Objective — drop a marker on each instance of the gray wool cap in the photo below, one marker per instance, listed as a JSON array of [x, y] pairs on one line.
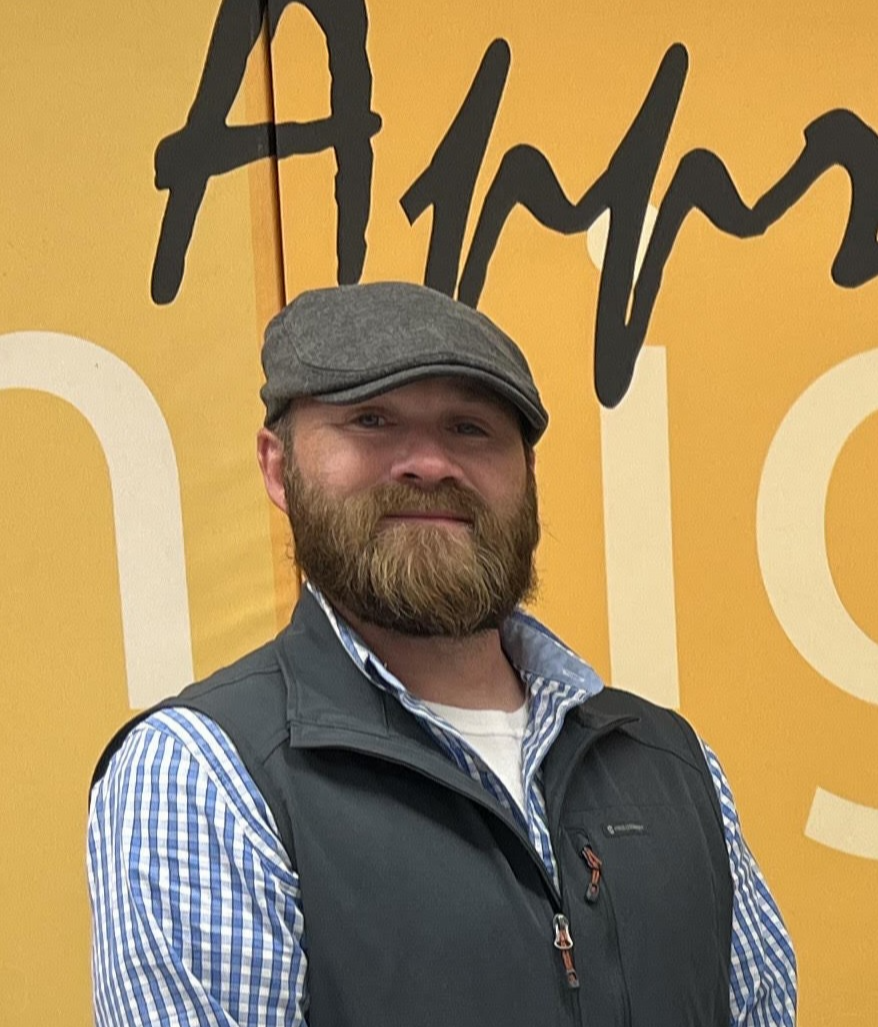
[[352, 342]]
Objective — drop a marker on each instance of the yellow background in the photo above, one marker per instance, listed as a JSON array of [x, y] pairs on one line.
[[87, 91]]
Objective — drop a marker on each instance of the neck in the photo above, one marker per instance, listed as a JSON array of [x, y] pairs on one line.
[[471, 672]]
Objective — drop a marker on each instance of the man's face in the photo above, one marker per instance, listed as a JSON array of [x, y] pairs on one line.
[[415, 510]]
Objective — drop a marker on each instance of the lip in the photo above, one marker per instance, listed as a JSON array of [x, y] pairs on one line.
[[431, 517]]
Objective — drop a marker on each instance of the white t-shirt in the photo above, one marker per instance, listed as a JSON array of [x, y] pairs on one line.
[[496, 736]]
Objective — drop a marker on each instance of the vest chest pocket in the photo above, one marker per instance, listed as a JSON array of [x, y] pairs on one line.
[[642, 886]]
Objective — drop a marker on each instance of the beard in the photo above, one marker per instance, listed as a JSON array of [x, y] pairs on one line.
[[417, 579]]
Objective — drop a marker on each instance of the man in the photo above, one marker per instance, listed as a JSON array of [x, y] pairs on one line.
[[416, 806]]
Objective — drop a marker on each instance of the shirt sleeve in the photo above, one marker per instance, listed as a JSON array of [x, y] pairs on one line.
[[763, 963], [196, 911]]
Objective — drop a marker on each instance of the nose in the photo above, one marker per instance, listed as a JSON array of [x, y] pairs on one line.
[[423, 459]]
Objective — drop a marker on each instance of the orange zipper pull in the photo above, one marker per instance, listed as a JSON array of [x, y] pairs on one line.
[[564, 943], [594, 865]]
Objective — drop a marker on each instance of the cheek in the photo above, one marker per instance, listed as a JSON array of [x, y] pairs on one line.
[[503, 483], [339, 470]]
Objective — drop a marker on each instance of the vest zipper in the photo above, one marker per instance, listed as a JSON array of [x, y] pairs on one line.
[[594, 865], [564, 944]]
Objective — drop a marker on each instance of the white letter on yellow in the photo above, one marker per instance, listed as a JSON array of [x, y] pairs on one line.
[[146, 496], [636, 467], [791, 541]]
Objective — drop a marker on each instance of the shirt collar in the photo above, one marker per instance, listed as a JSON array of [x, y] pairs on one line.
[[537, 654]]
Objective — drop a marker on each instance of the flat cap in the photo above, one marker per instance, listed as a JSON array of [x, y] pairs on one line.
[[352, 342]]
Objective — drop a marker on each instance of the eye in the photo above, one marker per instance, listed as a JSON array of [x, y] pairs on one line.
[[370, 420], [469, 428]]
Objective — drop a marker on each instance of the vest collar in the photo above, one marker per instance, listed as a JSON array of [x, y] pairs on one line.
[[331, 703]]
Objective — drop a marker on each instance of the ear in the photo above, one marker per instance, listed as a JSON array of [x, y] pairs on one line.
[[270, 454]]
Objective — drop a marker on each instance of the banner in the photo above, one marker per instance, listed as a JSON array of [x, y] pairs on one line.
[[672, 210]]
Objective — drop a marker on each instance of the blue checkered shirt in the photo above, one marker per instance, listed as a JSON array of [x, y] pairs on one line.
[[196, 911]]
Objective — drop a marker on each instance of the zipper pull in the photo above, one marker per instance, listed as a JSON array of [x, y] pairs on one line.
[[564, 943], [594, 865]]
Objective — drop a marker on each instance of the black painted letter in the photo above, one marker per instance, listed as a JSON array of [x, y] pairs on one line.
[[207, 146]]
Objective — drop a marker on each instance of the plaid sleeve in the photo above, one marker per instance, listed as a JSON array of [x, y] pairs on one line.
[[196, 912], [763, 963]]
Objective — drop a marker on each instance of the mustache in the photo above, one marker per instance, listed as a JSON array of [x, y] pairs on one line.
[[398, 497]]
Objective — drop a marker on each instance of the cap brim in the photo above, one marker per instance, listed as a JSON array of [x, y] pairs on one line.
[[536, 419]]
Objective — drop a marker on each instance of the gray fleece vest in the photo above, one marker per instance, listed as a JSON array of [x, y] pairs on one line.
[[425, 903]]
